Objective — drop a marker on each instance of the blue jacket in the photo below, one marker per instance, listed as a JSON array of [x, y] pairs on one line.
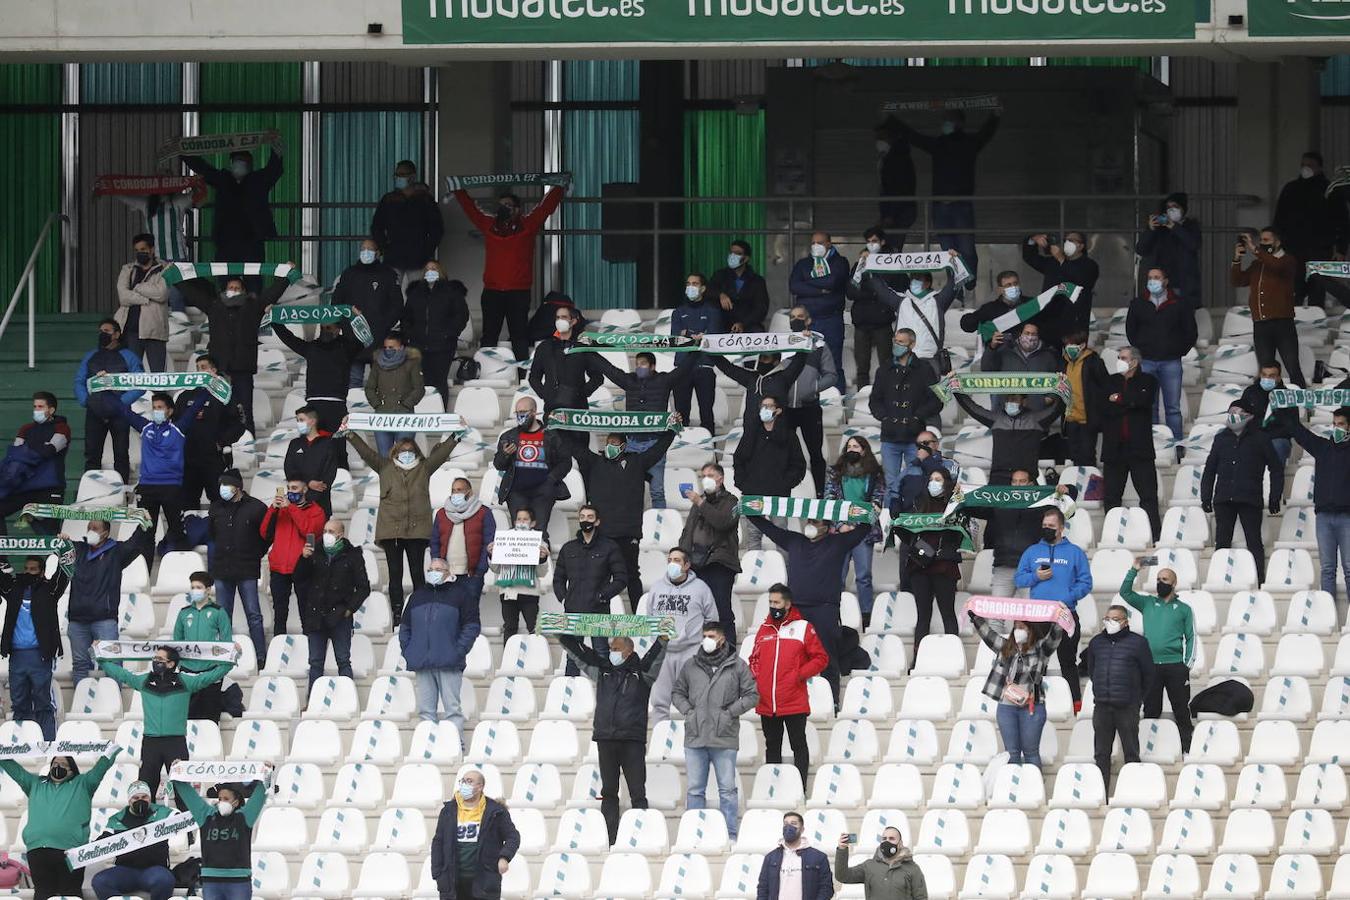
[[817, 879], [439, 626], [1071, 576], [704, 317], [162, 445], [96, 586], [95, 361], [822, 297], [36, 461], [1120, 666]]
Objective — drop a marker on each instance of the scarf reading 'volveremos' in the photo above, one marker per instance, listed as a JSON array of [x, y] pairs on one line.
[[418, 423], [87, 514]]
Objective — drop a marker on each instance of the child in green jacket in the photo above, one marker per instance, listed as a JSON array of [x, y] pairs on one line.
[[203, 620]]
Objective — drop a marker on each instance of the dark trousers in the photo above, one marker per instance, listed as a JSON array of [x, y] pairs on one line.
[[1068, 660], [795, 725], [1144, 474], [958, 215], [30, 690], [155, 352], [168, 498], [1278, 336], [1107, 722], [628, 547], [629, 757], [436, 373], [395, 551], [703, 383], [514, 307], [121, 881], [206, 703], [539, 502], [1226, 515], [96, 430], [523, 606], [720, 581], [1082, 443], [15, 502], [1175, 678], [825, 618], [201, 475], [281, 585], [160, 753], [869, 341], [340, 636], [241, 392], [929, 590], [808, 419], [51, 877]]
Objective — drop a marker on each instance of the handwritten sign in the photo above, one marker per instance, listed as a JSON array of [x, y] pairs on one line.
[[516, 548]]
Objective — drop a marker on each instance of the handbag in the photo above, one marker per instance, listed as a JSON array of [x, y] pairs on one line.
[[1015, 694], [922, 552], [942, 360]]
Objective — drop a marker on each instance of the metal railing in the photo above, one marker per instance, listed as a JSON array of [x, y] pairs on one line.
[[28, 279]]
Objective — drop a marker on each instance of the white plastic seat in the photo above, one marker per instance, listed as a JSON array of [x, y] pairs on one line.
[[376, 741], [1187, 831], [418, 785], [1239, 654], [571, 698], [957, 785], [175, 568], [989, 875], [1140, 785], [324, 875], [942, 655], [1172, 875], [511, 699], [96, 700], [1200, 786], [867, 697], [972, 741], [256, 739], [271, 875], [740, 876], [1289, 569], [1309, 831], [913, 741], [1231, 570], [1299, 653], [1017, 787], [341, 829], [537, 786], [1078, 786], [852, 741], [1126, 830], [1004, 831], [565, 875], [383, 875], [760, 569], [926, 697], [1215, 741], [1112, 876], [643, 832], [685, 875], [1310, 612], [938, 874], [1336, 699], [1320, 786], [1185, 526], [1276, 743], [1340, 880], [625, 875], [1260, 786], [1233, 875], [404, 830], [1295, 876], [333, 697], [358, 784], [1052, 876], [1288, 697], [886, 653], [893, 612], [897, 786], [1248, 831], [526, 655], [944, 832], [392, 698], [298, 784], [317, 741], [1126, 527], [1329, 740], [1251, 612], [777, 786], [281, 828], [581, 831], [1159, 741], [702, 831], [837, 785], [497, 742]]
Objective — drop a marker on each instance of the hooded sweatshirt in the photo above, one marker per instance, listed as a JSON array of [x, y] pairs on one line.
[[1071, 575], [691, 605]]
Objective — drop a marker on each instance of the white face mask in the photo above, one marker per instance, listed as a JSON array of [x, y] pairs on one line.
[[93, 538], [524, 526], [708, 484], [225, 807], [367, 257], [818, 250], [935, 488], [709, 644], [230, 295], [1122, 366], [615, 658], [765, 414], [302, 427], [1019, 635], [1305, 172], [674, 571], [1012, 408], [407, 459], [227, 492], [1013, 292], [466, 792], [916, 287], [457, 501], [1155, 287], [196, 595], [1069, 248], [692, 291], [158, 416], [431, 276], [435, 576], [734, 260], [330, 540], [562, 325], [874, 246], [1174, 214], [811, 532], [883, 146], [1111, 626]]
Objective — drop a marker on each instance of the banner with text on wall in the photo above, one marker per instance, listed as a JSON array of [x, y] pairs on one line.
[[790, 21], [1298, 18]]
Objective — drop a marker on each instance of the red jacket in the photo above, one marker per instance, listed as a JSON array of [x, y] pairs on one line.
[[509, 261], [479, 530], [786, 655], [290, 524]]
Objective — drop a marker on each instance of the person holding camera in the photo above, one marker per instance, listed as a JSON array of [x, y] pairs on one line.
[[1270, 276], [891, 873], [1054, 568], [934, 561], [1171, 242]]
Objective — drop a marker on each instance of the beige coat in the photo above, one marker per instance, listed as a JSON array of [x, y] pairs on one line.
[[152, 296], [405, 494]]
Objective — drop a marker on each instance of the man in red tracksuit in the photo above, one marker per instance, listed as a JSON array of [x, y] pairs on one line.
[[508, 270], [290, 522], [787, 654]]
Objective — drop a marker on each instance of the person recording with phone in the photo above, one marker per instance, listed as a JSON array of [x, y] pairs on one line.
[[291, 523], [1054, 568], [891, 873], [1269, 275]]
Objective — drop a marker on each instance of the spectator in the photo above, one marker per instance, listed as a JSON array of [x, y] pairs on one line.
[[1163, 327], [741, 291], [1087, 377], [1011, 531], [804, 412], [856, 476], [1313, 224], [34, 467], [695, 318], [236, 524], [1017, 432], [436, 633], [614, 482], [95, 593], [771, 377], [819, 282], [712, 531], [1331, 498], [314, 456], [474, 844], [1278, 424], [436, 314], [878, 875], [647, 390], [815, 568], [214, 430], [1009, 298], [143, 869], [545, 319], [508, 266], [394, 386], [927, 459], [328, 366], [1016, 682], [31, 640], [143, 304], [794, 869], [1054, 568], [243, 211], [166, 217], [788, 654], [163, 453], [1169, 626], [1025, 353], [1127, 452], [1231, 484], [873, 321], [336, 587], [407, 224], [226, 829], [533, 463], [713, 689], [954, 153], [768, 459], [165, 693], [1270, 278], [933, 561], [461, 533], [291, 523], [403, 521], [202, 619], [624, 684], [560, 380], [60, 805], [1171, 242], [682, 597], [895, 169], [1120, 666], [922, 311], [520, 591], [374, 288], [103, 410], [589, 572], [1061, 263], [903, 402]]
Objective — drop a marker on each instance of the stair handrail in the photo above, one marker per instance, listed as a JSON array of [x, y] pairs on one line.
[[27, 277]]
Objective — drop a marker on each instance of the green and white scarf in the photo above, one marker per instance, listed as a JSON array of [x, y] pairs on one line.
[[88, 514], [47, 749], [611, 422], [218, 771], [1024, 312], [507, 179], [802, 508], [319, 315], [1286, 398], [143, 651], [517, 576], [620, 341], [14, 545], [1004, 383], [421, 423], [146, 835], [186, 271], [605, 625], [204, 144], [1001, 497], [980, 101], [1335, 268], [920, 522], [923, 261], [820, 266], [216, 385], [754, 342]]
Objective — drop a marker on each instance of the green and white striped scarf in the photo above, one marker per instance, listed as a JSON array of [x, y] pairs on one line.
[[1004, 383], [1335, 268], [319, 315], [88, 514], [217, 385], [507, 179], [802, 508], [1001, 497], [1287, 398], [605, 625], [14, 545], [921, 522], [610, 422], [1024, 312], [186, 271]]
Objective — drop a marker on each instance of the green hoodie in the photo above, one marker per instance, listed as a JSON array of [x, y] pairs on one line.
[[166, 713], [204, 623], [1169, 625], [58, 814]]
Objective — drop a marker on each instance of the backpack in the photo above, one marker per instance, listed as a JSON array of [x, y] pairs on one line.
[[1227, 698], [188, 875], [13, 874], [469, 369]]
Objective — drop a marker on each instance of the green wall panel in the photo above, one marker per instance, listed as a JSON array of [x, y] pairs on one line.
[[145, 83], [723, 157], [30, 184]]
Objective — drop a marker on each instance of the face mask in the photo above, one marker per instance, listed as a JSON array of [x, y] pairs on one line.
[[524, 526], [1029, 343], [852, 456], [1122, 367], [1013, 292], [776, 614], [674, 571], [302, 427], [143, 258], [765, 414], [935, 488], [159, 667], [1236, 421], [93, 538], [407, 459], [367, 257], [642, 371], [888, 849], [612, 451], [883, 146], [1155, 287], [466, 792], [1069, 248], [225, 808], [139, 807], [693, 292], [797, 325], [524, 419], [1338, 435], [58, 773], [400, 182], [227, 492], [1071, 351], [916, 287], [239, 169], [899, 351], [295, 496], [734, 260], [873, 246], [1164, 588], [948, 127], [431, 276], [818, 250], [435, 577], [709, 644], [158, 416], [1019, 635], [1267, 384], [615, 658], [1174, 214], [458, 501], [1305, 172], [708, 484], [1012, 408], [1111, 626], [104, 339], [39, 416], [231, 294], [811, 532], [329, 541], [563, 326], [1048, 535], [791, 833], [196, 595], [586, 527]]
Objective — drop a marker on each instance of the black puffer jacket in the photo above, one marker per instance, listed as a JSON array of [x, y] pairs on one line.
[[777, 382], [375, 290], [614, 486], [650, 394], [1233, 469], [586, 576], [621, 692], [434, 317], [1120, 665], [238, 544], [903, 400], [328, 363], [769, 463], [560, 380], [337, 586], [1133, 416], [497, 839], [233, 325]]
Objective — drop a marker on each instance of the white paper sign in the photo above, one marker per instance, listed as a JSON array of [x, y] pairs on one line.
[[516, 548]]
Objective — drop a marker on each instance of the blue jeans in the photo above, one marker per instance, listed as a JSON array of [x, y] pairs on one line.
[[82, 635], [656, 475], [228, 890], [831, 328], [443, 685], [861, 557], [248, 593], [177, 303], [1333, 536], [956, 214], [1168, 373], [30, 690], [1021, 727], [357, 377], [156, 881], [697, 761], [341, 637], [896, 457], [1283, 447], [384, 440]]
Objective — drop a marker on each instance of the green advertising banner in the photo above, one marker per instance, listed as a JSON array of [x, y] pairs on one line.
[[1298, 18], [790, 21]]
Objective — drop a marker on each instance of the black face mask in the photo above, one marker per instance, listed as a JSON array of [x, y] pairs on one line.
[[797, 325], [139, 807], [586, 527], [327, 337], [1164, 589], [888, 849], [1048, 535], [765, 368], [58, 773], [104, 339], [143, 258], [159, 667], [776, 614], [852, 456]]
